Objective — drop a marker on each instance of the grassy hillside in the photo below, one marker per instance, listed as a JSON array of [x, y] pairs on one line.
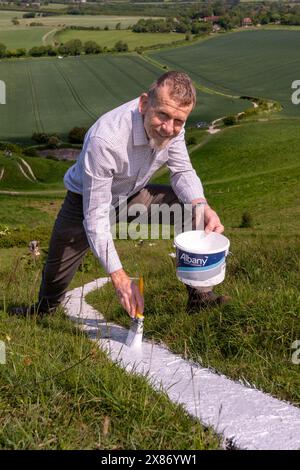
[[58, 391], [31, 173], [56, 95], [255, 63]]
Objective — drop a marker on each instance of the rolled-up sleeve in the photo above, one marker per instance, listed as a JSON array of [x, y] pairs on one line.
[[184, 180], [98, 170]]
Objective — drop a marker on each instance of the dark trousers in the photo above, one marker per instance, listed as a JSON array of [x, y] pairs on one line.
[[68, 243]]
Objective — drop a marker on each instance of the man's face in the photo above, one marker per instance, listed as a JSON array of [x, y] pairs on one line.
[[163, 119]]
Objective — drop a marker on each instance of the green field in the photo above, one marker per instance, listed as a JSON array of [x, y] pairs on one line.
[[23, 38], [67, 20], [53, 95], [256, 63], [109, 38]]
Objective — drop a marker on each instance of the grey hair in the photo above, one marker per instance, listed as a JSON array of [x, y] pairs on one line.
[[181, 88]]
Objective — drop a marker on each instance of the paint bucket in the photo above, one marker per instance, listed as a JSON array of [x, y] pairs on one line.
[[201, 258]]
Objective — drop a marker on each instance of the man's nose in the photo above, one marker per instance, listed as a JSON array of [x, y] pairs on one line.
[[168, 126]]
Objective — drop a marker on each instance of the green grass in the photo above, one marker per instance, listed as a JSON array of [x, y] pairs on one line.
[[265, 63], [23, 38], [58, 391], [109, 38], [56, 95]]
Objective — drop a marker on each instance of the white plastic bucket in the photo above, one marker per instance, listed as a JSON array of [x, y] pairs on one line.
[[201, 258]]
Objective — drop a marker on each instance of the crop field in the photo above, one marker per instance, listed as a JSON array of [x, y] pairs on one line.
[[256, 63], [52, 95], [109, 38]]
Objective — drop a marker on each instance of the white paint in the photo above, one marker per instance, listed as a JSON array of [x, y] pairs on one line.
[[23, 172], [247, 417], [28, 168], [1, 173]]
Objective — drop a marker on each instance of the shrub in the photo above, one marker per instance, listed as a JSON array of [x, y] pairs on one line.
[[12, 147], [91, 47], [121, 46], [2, 50], [247, 220], [76, 135], [54, 141], [229, 120], [40, 137], [30, 152], [191, 140]]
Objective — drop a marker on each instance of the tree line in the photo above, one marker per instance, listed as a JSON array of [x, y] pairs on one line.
[[74, 47]]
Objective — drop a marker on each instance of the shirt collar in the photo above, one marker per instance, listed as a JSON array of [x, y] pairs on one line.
[[138, 129]]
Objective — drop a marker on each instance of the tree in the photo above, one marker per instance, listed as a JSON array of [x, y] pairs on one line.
[[2, 50], [91, 47], [118, 26], [76, 135], [20, 52], [73, 47], [30, 14], [121, 46]]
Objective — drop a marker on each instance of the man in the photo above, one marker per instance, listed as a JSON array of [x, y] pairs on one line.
[[121, 152]]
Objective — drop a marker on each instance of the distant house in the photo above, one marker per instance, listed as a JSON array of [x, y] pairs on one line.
[[79, 1], [211, 19], [246, 22]]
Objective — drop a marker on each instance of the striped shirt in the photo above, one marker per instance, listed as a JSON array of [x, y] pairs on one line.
[[117, 160]]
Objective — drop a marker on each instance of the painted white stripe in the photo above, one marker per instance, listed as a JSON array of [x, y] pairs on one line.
[[247, 417]]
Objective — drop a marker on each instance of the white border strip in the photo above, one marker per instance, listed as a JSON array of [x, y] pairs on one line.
[[246, 417]]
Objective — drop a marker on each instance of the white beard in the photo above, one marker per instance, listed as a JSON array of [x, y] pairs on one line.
[[157, 147]]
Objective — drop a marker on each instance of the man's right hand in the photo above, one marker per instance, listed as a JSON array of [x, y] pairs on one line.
[[128, 293]]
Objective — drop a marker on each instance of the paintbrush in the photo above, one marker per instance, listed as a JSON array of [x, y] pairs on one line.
[[135, 334]]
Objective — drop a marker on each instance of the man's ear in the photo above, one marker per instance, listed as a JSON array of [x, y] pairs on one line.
[[143, 103]]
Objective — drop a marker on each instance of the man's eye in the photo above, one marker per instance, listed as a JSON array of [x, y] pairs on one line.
[[162, 115]]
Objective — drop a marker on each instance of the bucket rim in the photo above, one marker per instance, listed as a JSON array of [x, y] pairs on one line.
[[201, 252]]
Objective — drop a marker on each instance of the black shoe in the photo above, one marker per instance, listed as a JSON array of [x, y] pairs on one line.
[[30, 310], [201, 300]]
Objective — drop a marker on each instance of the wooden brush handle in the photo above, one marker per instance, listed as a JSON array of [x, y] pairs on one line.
[[141, 289]]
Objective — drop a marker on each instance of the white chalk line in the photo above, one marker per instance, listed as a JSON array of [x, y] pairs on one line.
[[247, 417]]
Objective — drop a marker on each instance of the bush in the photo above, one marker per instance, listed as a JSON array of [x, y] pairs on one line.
[[40, 137], [121, 46], [76, 135], [91, 47], [247, 220], [12, 147], [30, 14], [2, 50], [23, 235], [191, 140], [30, 152], [229, 120], [54, 141]]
